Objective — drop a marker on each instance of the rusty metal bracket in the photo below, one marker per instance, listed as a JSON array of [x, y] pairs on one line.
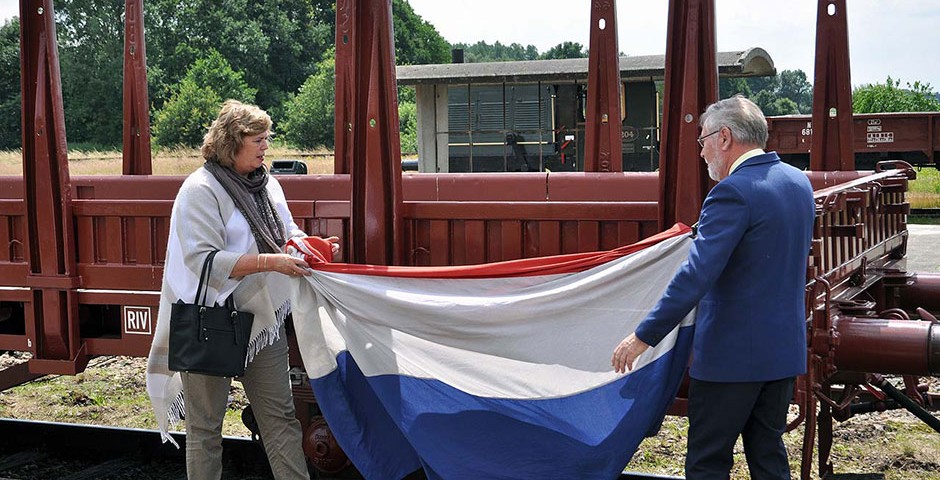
[[845, 399]]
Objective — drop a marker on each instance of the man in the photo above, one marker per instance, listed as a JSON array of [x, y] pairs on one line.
[[746, 273]]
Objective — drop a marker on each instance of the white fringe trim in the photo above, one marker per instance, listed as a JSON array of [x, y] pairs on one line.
[[174, 415], [269, 335]]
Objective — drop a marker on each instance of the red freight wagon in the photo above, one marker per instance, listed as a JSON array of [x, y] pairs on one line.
[[910, 136]]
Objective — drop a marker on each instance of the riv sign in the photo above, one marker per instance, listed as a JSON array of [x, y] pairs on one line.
[[137, 320]]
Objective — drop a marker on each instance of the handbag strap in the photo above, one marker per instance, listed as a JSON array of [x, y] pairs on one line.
[[203, 288]]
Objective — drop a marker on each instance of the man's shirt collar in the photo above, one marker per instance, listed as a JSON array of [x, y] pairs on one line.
[[751, 153]]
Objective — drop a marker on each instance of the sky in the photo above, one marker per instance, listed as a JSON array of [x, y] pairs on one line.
[[899, 38]]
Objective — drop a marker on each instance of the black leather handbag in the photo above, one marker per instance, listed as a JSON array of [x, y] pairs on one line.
[[211, 340]]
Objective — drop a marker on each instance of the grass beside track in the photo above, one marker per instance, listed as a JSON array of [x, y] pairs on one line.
[[924, 192], [111, 391], [894, 444]]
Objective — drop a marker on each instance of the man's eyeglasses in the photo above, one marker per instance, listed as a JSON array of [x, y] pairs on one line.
[[701, 140]]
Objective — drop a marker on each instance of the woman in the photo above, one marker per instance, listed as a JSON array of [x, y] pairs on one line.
[[231, 204]]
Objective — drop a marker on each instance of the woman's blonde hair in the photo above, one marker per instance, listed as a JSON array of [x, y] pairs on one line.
[[227, 133]]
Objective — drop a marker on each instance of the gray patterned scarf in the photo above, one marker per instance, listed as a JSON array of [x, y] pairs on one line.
[[251, 198]]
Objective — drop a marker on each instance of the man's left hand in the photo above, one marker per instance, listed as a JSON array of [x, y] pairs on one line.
[[626, 353]]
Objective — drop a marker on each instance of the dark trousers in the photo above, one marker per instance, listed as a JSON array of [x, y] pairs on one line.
[[719, 412]]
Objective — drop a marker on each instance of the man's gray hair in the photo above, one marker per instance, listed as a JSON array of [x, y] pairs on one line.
[[742, 116]]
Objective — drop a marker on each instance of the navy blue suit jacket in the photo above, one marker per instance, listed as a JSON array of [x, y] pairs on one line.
[[746, 272]]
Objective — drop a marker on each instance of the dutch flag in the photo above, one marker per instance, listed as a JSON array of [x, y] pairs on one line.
[[492, 371]]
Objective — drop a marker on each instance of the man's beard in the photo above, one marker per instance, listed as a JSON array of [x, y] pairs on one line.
[[713, 172]]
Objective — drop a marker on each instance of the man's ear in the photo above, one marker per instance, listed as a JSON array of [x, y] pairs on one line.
[[724, 137]]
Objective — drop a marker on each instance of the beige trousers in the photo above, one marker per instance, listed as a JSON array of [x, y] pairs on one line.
[[267, 386]]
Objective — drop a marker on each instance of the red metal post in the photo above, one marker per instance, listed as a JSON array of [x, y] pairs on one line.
[[344, 94], [832, 91], [367, 138], [137, 159], [602, 147], [691, 84], [52, 325]]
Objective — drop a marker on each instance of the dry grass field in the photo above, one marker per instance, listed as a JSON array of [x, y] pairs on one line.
[[165, 162]]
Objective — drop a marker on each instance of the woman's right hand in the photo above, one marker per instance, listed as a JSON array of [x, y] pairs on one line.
[[282, 263]]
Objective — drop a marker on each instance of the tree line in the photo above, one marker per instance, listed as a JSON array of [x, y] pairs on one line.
[[279, 55]]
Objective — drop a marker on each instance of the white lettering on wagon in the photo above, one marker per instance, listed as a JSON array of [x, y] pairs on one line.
[[880, 137], [137, 320]]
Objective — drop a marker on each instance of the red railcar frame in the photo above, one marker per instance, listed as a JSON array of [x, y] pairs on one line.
[[82, 268]]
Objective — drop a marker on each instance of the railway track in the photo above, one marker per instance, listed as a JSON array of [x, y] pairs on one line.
[[33, 450]]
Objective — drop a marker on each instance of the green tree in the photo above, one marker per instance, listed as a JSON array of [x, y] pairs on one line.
[[300, 32], [565, 50], [794, 86], [309, 114], [731, 86], [483, 52], [223, 26], [184, 119], [783, 94], [408, 126], [890, 97], [91, 54], [10, 97], [417, 42], [769, 83], [216, 73], [773, 105], [196, 101], [276, 44]]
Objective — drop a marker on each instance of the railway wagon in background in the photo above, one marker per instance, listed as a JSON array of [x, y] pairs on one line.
[[910, 136]]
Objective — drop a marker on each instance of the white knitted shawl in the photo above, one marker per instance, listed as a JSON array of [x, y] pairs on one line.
[[204, 219]]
